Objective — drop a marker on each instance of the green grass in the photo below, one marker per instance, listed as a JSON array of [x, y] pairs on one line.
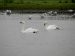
[[39, 5]]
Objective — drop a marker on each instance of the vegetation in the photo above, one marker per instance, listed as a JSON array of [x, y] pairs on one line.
[[37, 4], [73, 1]]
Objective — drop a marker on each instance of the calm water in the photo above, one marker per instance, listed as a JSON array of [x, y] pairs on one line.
[[44, 43]]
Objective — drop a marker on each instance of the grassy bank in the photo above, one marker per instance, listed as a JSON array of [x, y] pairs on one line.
[[37, 6]]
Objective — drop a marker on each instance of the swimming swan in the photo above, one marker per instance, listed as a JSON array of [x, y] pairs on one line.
[[28, 30], [50, 27], [8, 12], [54, 27]]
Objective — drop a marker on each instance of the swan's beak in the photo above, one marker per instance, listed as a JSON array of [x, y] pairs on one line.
[[34, 32], [57, 28]]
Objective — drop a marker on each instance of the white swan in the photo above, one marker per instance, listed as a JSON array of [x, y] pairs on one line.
[[52, 13], [73, 15], [50, 27], [42, 16], [28, 30], [54, 27], [30, 17], [70, 10], [55, 13], [8, 12]]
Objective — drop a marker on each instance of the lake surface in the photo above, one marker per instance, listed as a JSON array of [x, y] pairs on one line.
[[44, 43]]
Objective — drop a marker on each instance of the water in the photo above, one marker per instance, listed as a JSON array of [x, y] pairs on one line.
[[44, 43]]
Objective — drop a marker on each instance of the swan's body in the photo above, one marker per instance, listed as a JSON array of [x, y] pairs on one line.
[[42, 16], [70, 10], [30, 30], [30, 17], [45, 14], [73, 15], [52, 27], [55, 13], [50, 12]]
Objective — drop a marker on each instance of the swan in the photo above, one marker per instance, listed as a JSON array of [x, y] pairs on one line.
[[70, 10], [73, 15], [51, 27], [28, 30], [30, 17], [8, 12], [55, 13], [52, 13], [42, 16], [54, 27]]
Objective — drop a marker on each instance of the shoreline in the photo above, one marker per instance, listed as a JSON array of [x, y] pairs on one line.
[[40, 11]]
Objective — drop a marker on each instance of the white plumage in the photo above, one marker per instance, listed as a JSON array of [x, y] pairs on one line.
[[8, 12], [70, 10], [51, 27], [30, 17], [73, 15], [22, 22], [30, 30]]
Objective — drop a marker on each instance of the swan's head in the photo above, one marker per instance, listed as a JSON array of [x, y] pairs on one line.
[[45, 23]]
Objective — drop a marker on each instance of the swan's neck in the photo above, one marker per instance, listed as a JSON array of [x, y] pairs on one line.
[[23, 27]]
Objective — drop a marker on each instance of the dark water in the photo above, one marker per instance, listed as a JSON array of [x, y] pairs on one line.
[[44, 43]]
